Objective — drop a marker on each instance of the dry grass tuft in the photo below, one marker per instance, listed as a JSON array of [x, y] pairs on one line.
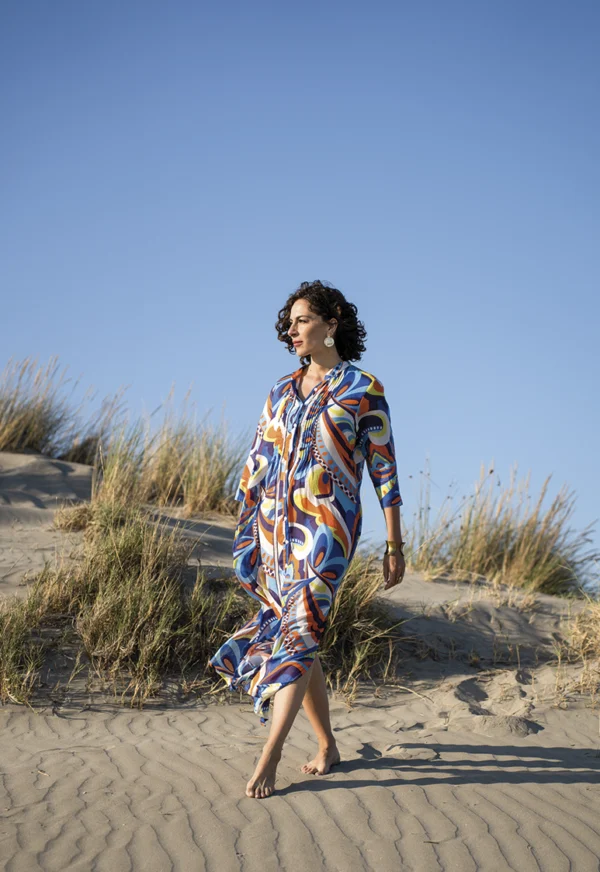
[[33, 412], [127, 603], [72, 518], [37, 415], [20, 656], [83, 441], [360, 639], [581, 647], [583, 633], [506, 537], [194, 467]]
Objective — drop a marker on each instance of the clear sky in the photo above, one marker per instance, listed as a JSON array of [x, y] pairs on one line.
[[170, 172]]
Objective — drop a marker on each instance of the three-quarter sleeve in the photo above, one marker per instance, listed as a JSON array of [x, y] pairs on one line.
[[259, 457], [376, 442]]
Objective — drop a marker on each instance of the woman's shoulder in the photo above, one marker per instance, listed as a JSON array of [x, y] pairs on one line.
[[284, 380], [363, 379], [281, 385]]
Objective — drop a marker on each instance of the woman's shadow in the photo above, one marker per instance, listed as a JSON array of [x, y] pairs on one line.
[[463, 764]]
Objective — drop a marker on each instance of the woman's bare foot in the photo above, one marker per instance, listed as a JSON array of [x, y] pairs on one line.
[[325, 759], [262, 783]]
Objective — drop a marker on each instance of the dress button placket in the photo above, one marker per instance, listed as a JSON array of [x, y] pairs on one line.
[[290, 438], [298, 411]]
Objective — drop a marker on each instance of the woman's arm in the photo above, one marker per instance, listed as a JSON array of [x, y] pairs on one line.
[[375, 434], [392, 522], [376, 442], [261, 452]]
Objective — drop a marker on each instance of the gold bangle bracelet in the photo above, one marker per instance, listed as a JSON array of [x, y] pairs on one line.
[[391, 547]]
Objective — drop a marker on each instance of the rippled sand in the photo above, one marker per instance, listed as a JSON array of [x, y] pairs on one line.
[[120, 790]]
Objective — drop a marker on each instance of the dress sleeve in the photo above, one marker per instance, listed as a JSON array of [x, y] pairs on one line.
[[259, 458], [376, 443]]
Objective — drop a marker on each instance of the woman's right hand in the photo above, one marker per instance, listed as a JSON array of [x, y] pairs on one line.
[[394, 568]]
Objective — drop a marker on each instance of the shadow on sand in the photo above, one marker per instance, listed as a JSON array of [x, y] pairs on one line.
[[470, 764]]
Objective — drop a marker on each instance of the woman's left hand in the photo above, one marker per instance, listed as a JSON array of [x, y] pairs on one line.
[[394, 568]]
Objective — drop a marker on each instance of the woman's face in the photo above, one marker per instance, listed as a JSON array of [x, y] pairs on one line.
[[307, 329]]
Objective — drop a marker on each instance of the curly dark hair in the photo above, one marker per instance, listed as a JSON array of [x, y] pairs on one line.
[[329, 303]]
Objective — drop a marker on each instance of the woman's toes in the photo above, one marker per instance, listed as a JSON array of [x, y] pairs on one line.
[[322, 763], [262, 783]]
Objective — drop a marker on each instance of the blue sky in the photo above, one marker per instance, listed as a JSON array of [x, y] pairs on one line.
[[171, 172]]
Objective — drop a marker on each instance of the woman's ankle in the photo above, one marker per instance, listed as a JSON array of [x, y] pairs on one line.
[[271, 750]]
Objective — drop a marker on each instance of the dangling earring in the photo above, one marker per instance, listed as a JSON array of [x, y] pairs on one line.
[[329, 341]]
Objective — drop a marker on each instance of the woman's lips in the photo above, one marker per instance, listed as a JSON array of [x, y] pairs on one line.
[[297, 343]]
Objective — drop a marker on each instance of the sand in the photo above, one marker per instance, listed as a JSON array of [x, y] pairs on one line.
[[483, 760]]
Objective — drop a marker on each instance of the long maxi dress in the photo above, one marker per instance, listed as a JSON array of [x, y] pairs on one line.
[[300, 520]]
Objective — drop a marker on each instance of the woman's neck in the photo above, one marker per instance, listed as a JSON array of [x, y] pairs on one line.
[[319, 367]]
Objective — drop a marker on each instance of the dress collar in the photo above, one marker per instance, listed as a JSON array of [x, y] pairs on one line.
[[339, 367]]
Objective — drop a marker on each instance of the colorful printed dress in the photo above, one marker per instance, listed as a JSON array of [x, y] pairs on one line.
[[300, 520]]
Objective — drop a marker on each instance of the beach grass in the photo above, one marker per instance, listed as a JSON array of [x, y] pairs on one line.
[[360, 640], [38, 414], [133, 618], [582, 645], [584, 635], [167, 459], [182, 464], [504, 535], [138, 616], [21, 656]]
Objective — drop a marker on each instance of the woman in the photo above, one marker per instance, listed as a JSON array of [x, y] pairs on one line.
[[300, 518]]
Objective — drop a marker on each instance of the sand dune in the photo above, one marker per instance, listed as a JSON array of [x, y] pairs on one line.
[[481, 761], [420, 787], [31, 488]]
